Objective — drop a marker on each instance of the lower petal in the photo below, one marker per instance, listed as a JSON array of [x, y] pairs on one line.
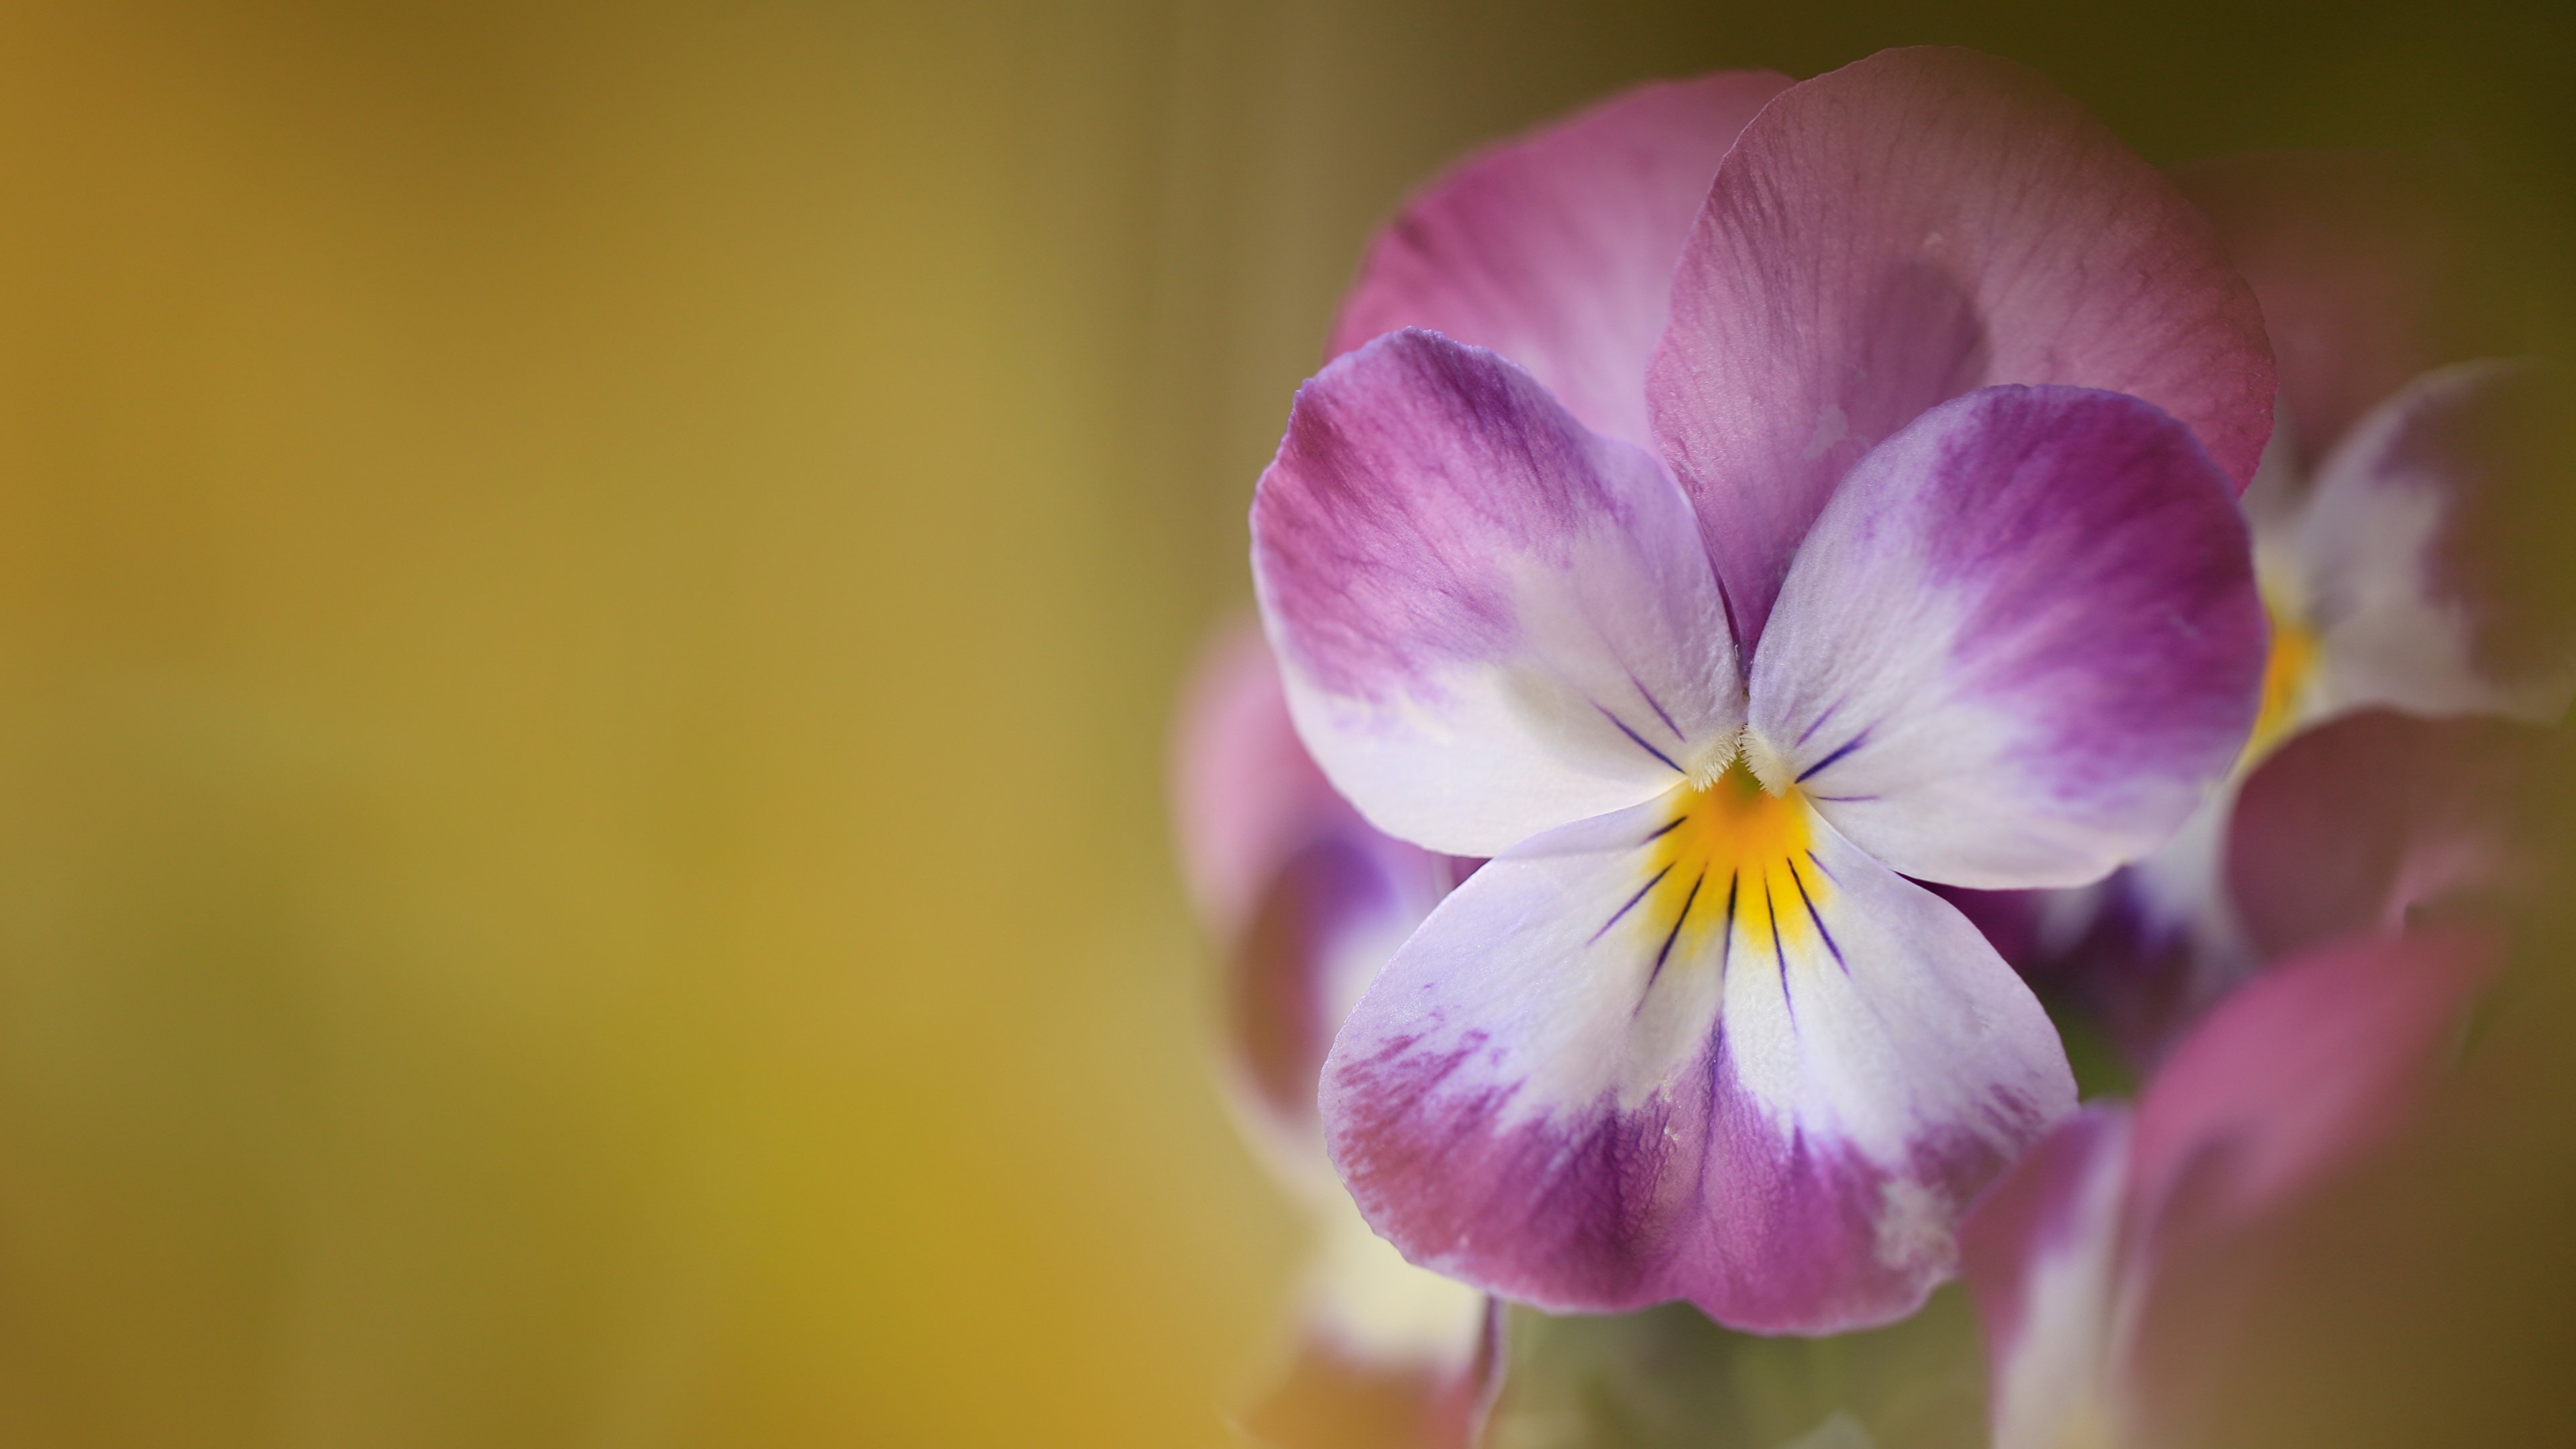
[[1623, 1065]]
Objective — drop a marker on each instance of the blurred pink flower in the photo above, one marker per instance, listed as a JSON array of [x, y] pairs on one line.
[[2377, 820], [2109, 1264]]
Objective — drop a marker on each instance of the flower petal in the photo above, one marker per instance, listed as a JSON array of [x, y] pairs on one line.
[[2294, 1074], [2021, 642], [1587, 1085], [1557, 250], [2287, 1085], [1909, 228], [1388, 1356], [2354, 258], [1304, 900], [2041, 1253], [1245, 796], [1332, 916], [1491, 622], [1374, 1307], [2370, 818], [2436, 542]]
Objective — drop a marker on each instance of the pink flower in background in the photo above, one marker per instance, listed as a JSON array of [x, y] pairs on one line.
[[1306, 902], [1864, 611], [2409, 527], [2109, 1265], [2377, 820]]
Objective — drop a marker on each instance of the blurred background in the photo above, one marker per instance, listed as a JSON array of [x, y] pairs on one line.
[[589, 600]]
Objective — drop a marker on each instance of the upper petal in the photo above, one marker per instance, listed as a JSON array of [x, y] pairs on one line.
[[1618, 1067], [2435, 547], [2021, 642], [1908, 228], [1490, 621], [1556, 250]]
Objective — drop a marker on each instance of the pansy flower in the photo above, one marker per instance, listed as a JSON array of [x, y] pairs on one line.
[[1933, 570], [1305, 902], [2111, 1264], [2409, 526]]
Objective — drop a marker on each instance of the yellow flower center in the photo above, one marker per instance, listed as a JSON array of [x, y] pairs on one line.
[[1734, 854]]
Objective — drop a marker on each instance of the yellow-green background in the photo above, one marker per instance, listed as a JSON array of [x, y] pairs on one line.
[[589, 596]]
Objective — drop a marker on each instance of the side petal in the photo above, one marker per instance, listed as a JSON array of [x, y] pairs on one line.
[[2435, 547], [2355, 259], [2041, 1254], [2021, 643], [2358, 824], [1556, 250], [1606, 1074], [1490, 621], [1911, 227]]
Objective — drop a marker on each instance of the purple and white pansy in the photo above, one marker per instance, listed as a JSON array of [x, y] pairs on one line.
[[1928, 565]]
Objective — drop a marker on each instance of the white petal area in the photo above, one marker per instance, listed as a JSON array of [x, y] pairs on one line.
[[1552, 963], [2399, 600], [1490, 622], [2045, 1263], [1362, 1297], [1892, 1021]]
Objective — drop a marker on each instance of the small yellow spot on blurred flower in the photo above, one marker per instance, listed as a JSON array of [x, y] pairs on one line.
[[2287, 674]]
